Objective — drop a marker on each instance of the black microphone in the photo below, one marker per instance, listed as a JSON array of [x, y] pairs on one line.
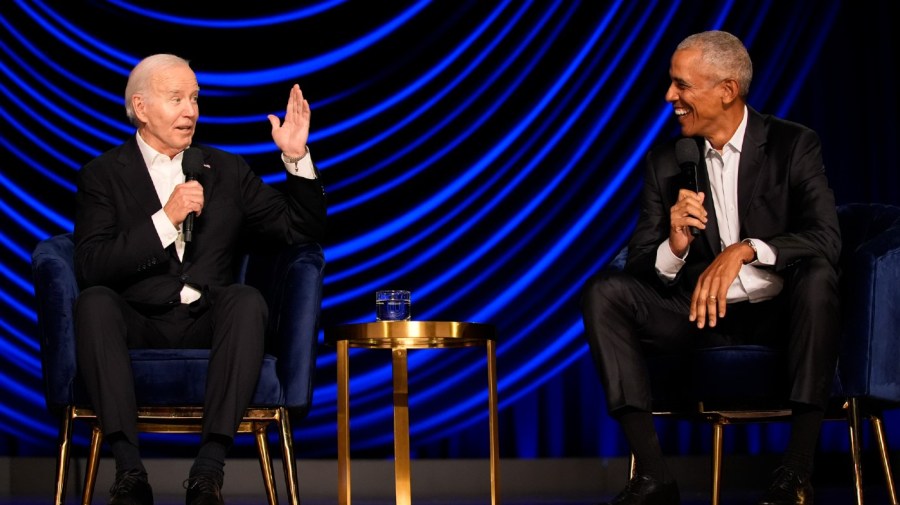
[[191, 165], [688, 157]]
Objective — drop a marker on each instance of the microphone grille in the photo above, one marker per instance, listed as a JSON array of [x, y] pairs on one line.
[[686, 151], [192, 163]]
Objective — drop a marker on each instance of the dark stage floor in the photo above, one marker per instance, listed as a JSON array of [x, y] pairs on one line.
[[459, 482], [823, 497]]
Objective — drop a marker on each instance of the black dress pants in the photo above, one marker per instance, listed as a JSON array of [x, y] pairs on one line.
[[626, 319], [232, 327]]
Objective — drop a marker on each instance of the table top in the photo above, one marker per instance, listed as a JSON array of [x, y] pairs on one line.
[[412, 334]]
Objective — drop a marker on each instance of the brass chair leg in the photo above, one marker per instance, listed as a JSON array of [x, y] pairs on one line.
[[265, 462], [62, 459], [287, 451], [853, 426], [93, 465], [878, 428], [718, 430], [156, 421]]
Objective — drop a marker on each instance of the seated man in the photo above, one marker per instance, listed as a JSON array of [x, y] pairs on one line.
[[151, 279], [749, 256]]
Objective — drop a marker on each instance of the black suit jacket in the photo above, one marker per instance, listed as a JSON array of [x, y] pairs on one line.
[[783, 199], [117, 245]]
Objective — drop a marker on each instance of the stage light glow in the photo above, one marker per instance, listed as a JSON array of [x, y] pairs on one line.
[[485, 155]]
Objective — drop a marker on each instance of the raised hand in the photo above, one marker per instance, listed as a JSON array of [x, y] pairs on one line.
[[291, 135]]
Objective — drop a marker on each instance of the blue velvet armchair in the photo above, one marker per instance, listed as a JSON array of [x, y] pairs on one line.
[[868, 375], [170, 383], [744, 383]]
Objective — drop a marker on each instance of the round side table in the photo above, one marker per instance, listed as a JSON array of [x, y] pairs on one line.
[[399, 336]]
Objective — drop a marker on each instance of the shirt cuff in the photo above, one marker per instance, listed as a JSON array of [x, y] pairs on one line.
[[302, 168], [667, 264], [765, 253], [189, 294], [164, 228]]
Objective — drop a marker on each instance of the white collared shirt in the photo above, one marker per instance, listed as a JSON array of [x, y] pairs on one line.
[[166, 173], [753, 283]]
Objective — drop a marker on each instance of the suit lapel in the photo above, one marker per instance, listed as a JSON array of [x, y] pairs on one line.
[[711, 234], [752, 159], [207, 177], [136, 177]]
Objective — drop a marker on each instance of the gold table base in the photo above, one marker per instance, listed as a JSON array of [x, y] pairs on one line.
[[399, 337]]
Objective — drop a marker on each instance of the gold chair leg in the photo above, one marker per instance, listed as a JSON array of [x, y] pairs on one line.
[[62, 459], [853, 426], [632, 466], [287, 452], [878, 428], [265, 462], [93, 464], [718, 430]]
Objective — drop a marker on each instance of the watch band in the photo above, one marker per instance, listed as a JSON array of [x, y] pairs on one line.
[[750, 243]]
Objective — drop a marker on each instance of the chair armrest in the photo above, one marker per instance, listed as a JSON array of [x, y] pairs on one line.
[[871, 305], [55, 291], [291, 281]]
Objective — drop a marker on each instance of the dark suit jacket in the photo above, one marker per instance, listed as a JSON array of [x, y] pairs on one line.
[[117, 245], [783, 199]]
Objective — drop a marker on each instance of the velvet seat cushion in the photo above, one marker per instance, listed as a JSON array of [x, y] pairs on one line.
[[166, 377], [725, 377]]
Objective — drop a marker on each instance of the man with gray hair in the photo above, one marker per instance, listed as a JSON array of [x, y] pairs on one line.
[[749, 255]]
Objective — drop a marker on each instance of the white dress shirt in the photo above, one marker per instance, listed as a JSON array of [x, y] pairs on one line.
[[753, 283], [166, 173]]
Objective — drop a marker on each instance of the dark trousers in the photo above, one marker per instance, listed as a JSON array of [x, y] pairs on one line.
[[232, 327], [626, 319]]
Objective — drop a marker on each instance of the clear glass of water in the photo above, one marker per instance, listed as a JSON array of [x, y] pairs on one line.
[[392, 305]]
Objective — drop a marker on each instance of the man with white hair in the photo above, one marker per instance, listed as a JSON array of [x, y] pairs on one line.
[[150, 281]]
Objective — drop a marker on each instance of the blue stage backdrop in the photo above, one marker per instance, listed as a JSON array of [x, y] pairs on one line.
[[484, 155]]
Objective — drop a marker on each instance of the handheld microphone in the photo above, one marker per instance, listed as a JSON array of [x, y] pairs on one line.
[[191, 165], [688, 157]]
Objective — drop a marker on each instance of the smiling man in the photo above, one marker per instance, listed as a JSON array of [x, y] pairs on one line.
[[749, 257]]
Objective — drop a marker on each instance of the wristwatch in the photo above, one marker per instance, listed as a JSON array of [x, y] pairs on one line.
[[750, 243]]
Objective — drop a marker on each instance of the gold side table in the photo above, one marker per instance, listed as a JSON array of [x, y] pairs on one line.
[[399, 336]]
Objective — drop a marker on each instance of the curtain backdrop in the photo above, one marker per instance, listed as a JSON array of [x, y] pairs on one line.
[[484, 155]]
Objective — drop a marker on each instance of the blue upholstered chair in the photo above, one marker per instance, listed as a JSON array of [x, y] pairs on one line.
[[170, 383], [868, 375], [744, 383]]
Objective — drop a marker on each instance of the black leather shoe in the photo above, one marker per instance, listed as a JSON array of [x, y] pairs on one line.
[[788, 488], [645, 490], [131, 488], [203, 490]]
